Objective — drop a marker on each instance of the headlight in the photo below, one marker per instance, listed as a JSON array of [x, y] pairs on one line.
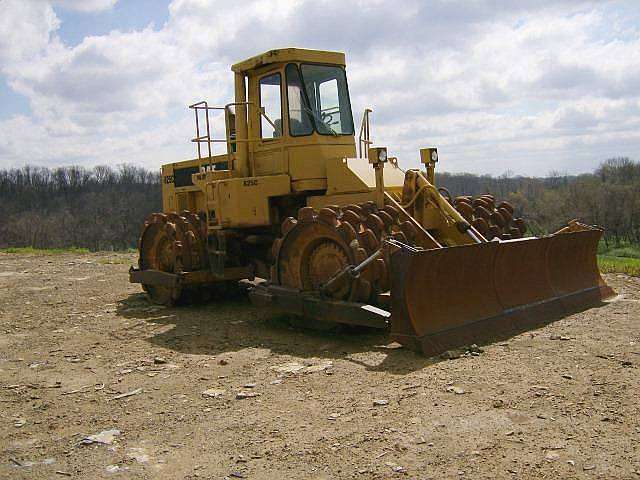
[[434, 155], [377, 155]]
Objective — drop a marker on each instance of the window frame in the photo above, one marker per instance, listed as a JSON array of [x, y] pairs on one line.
[[267, 75], [346, 84], [304, 91]]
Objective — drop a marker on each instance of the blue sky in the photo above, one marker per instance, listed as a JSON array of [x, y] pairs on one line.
[[527, 87], [125, 16]]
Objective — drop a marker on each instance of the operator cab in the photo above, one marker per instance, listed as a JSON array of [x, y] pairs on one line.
[[298, 114], [317, 100]]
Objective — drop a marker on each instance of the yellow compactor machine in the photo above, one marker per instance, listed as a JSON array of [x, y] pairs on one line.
[[331, 228]]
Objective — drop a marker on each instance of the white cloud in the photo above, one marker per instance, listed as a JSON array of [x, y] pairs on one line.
[[526, 86], [26, 30]]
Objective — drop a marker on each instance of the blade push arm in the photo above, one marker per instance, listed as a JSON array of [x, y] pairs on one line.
[[423, 201]]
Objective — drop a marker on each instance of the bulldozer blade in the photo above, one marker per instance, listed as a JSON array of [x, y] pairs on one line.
[[450, 297]]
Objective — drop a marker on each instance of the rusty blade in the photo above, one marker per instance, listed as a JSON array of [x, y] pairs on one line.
[[449, 297], [573, 267]]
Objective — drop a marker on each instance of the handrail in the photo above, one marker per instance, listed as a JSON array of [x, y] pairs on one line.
[[206, 138], [364, 139]]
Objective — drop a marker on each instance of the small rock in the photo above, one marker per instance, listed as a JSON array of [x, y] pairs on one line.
[[333, 416], [296, 367], [159, 360], [380, 402], [551, 456], [126, 394], [627, 363], [398, 469], [113, 468], [243, 395], [475, 349], [455, 389], [213, 393], [451, 354], [567, 376], [290, 367], [249, 385], [498, 403], [589, 467], [571, 462], [420, 441], [222, 361], [19, 422], [138, 454], [277, 381], [236, 475], [106, 437], [322, 366]]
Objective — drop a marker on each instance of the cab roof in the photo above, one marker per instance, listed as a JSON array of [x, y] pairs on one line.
[[282, 55]]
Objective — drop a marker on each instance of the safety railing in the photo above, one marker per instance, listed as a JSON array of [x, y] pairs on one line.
[[205, 137], [229, 119], [364, 139]]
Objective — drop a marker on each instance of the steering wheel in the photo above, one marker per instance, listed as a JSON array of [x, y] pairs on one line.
[[327, 118]]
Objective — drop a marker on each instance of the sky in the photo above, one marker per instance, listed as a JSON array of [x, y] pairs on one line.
[[525, 87]]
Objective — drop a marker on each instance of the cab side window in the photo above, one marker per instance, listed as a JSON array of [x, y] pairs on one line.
[[271, 106]]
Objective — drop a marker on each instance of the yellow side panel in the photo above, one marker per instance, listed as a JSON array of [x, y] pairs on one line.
[[349, 175], [309, 161], [244, 202], [269, 161], [189, 196]]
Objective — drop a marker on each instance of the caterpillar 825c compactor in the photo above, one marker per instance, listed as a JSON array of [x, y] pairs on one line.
[[344, 234]]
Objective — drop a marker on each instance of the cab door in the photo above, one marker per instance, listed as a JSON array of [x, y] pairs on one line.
[[268, 124]]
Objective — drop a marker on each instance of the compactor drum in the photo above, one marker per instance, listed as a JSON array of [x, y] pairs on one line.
[[330, 232]]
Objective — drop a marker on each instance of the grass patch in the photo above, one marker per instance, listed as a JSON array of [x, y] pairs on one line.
[[626, 250], [614, 264], [43, 251]]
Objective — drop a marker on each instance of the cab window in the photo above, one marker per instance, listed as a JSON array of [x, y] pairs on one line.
[[271, 106], [300, 120], [326, 88]]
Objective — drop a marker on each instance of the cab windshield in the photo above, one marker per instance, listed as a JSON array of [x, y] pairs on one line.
[[318, 99]]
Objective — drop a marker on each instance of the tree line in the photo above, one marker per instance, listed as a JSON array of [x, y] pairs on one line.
[[608, 197], [99, 208], [103, 208]]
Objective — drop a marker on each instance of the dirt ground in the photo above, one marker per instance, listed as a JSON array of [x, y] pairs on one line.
[[558, 402]]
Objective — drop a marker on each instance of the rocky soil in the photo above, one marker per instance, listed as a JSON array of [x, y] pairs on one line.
[[95, 382]]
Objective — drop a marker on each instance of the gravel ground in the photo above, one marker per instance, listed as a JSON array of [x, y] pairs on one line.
[[82, 352]]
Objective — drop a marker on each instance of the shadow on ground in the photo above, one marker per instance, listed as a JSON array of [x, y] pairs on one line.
[[232, 324]]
